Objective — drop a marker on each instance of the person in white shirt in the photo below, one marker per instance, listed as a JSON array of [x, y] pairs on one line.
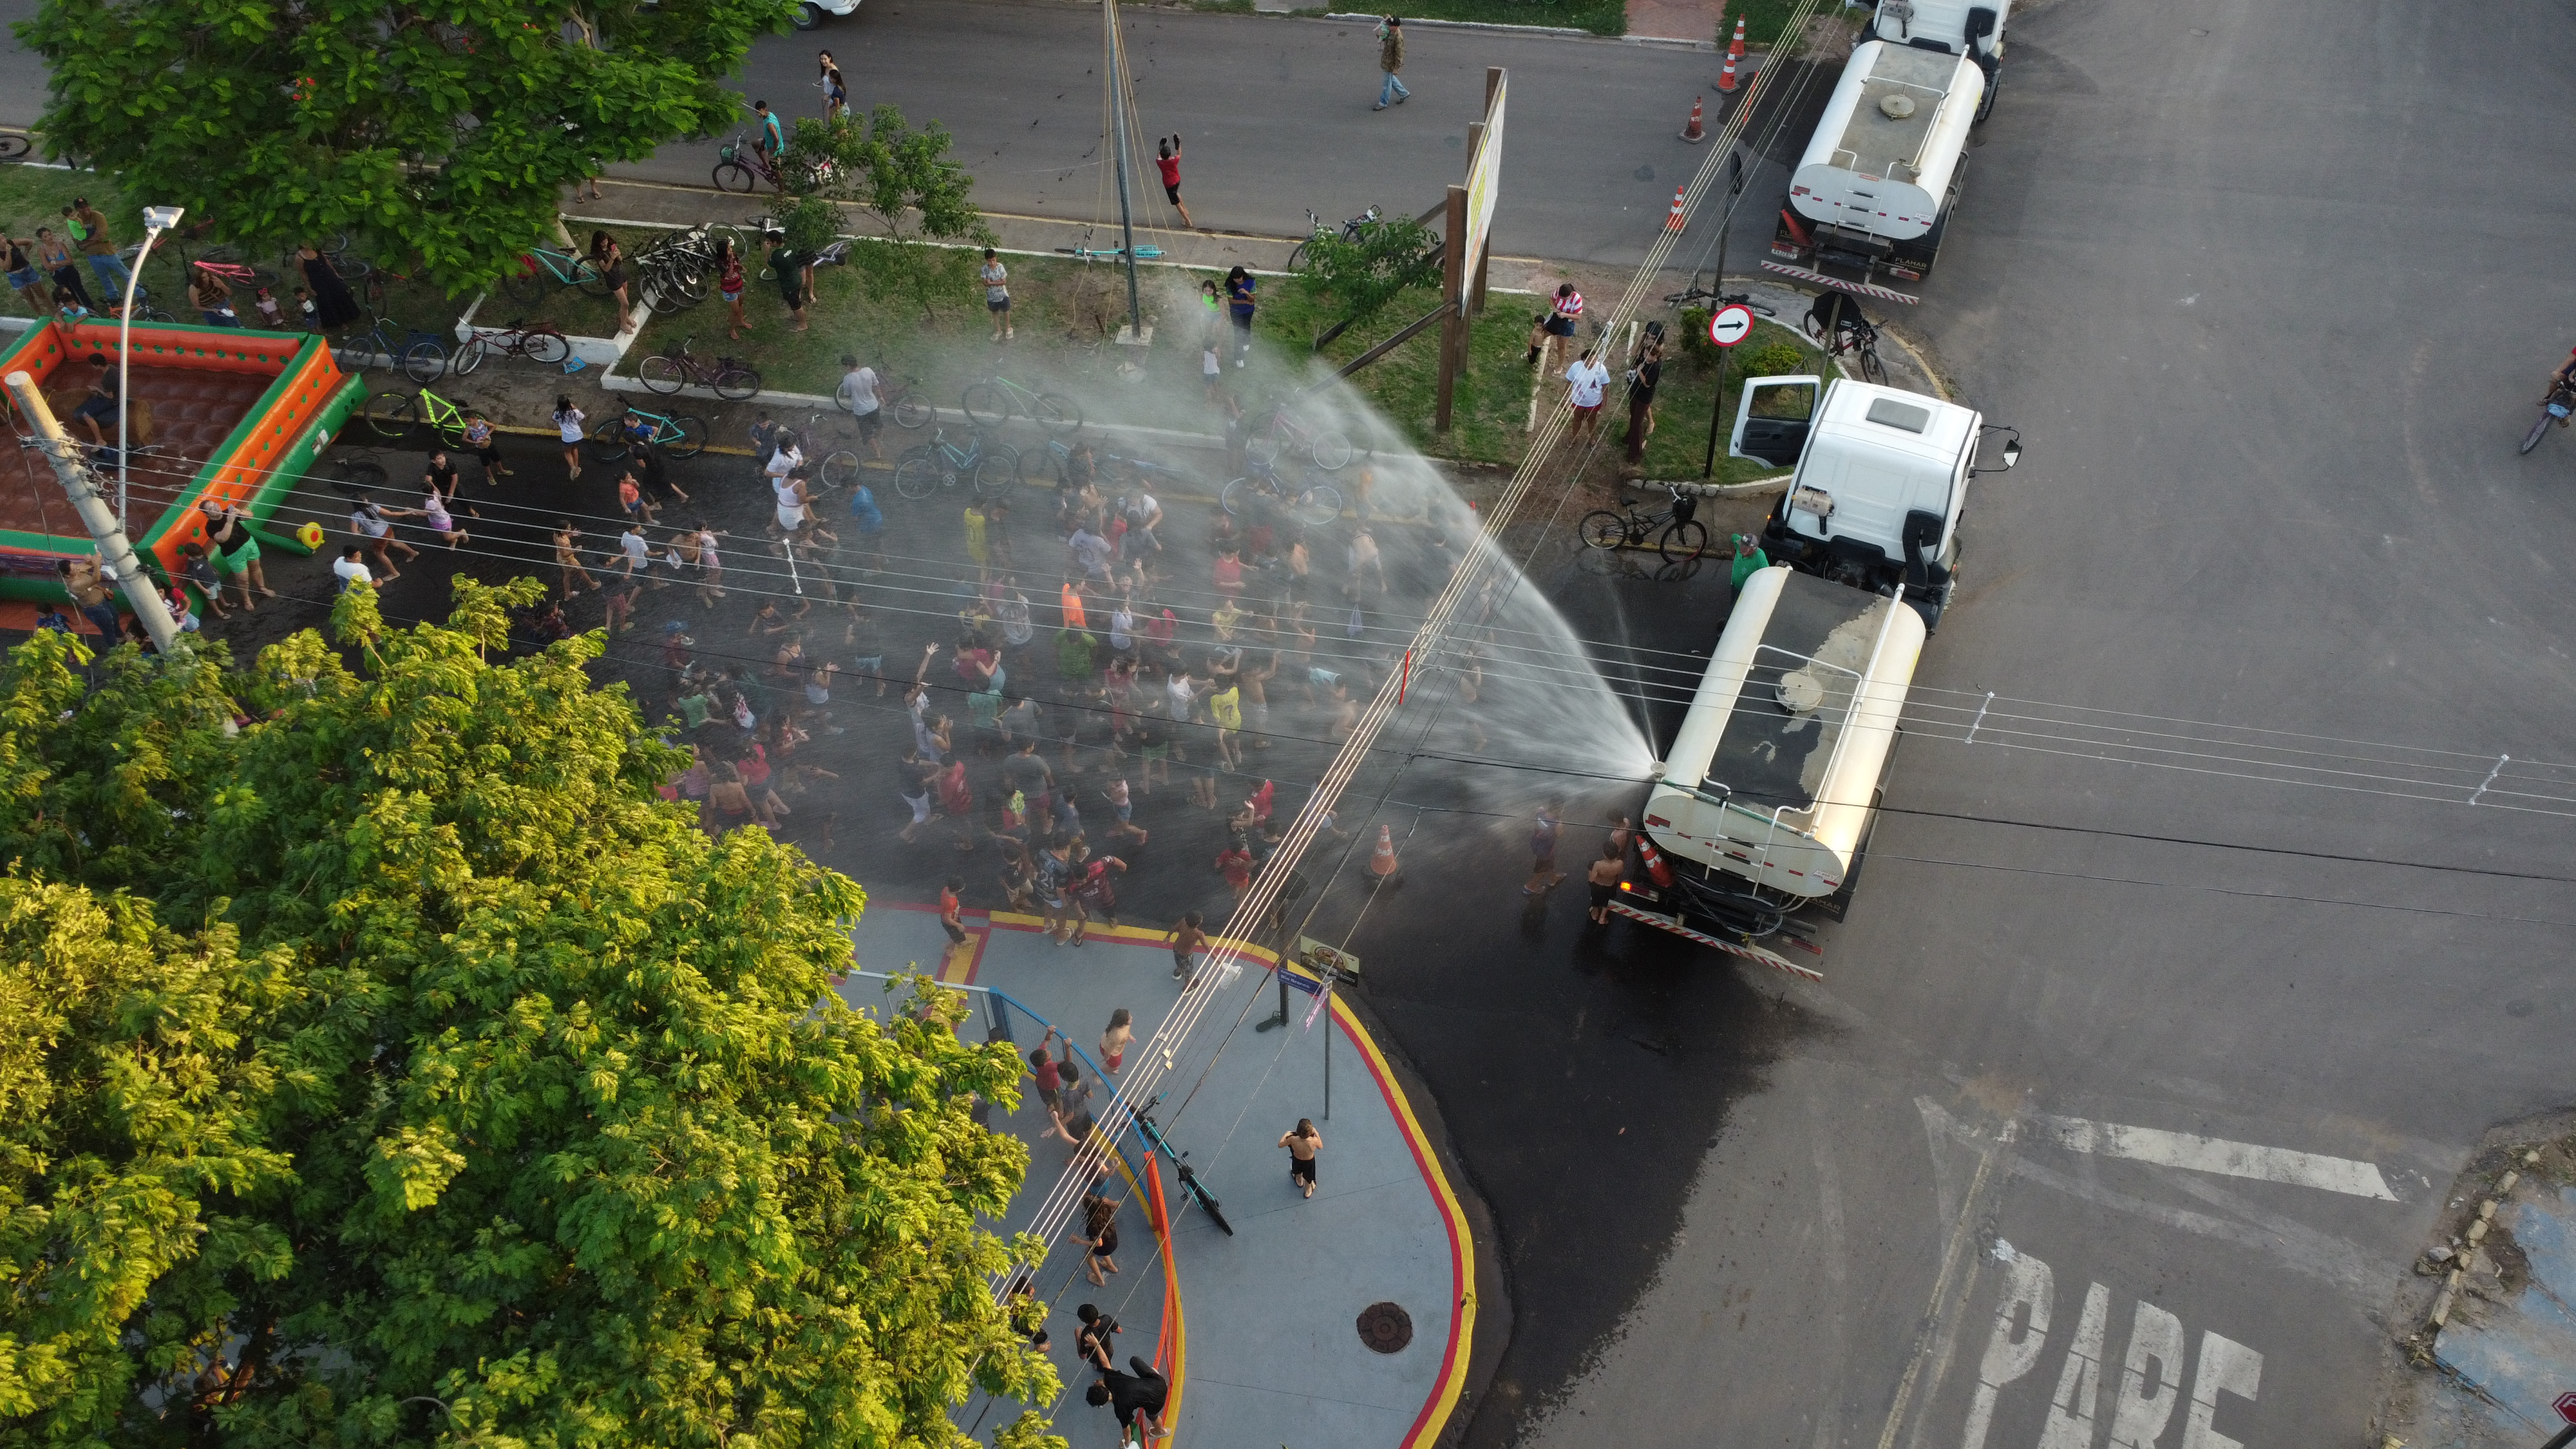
[[1586, 382], [352, 568], [858, 396]]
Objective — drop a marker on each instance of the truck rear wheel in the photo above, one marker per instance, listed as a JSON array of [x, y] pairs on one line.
[[808, 15]]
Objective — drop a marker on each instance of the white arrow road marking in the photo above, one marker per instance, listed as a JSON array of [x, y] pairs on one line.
[[2210, 1154]]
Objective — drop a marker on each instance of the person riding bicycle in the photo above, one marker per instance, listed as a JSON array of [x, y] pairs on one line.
[[773, 137], [2565, 377], [1823, 316]]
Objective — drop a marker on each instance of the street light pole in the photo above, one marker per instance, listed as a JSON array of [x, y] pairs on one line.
[[156, 220]]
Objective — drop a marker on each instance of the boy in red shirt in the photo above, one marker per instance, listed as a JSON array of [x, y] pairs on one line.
[[950, 912], [1170, 163], [1236, 863]]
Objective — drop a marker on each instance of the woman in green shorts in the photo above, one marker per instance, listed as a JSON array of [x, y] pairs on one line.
[[236, 551]]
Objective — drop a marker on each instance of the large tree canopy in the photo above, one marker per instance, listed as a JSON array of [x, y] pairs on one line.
[[438, 135], [397, 1068]]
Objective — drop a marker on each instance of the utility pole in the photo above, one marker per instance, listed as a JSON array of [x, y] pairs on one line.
[[1126, 220], [114, 553]]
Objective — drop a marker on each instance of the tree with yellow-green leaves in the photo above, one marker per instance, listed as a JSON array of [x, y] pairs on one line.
[[389, 1065]]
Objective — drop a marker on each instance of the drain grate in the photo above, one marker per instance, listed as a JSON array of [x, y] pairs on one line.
[[1385, 1327]]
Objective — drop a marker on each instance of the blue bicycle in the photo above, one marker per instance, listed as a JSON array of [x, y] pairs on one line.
[[1181, 1167], [939, 463]]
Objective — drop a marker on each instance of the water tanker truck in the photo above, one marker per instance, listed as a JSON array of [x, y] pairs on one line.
[[1763, 807], [1873, 192]]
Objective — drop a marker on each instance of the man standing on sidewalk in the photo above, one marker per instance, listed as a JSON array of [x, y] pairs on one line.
[[1586, 381], [1390, 58], [100, 247], [1641, 398], [858, 395]]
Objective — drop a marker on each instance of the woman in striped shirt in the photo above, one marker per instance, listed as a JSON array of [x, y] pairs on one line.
[[1559, 322]]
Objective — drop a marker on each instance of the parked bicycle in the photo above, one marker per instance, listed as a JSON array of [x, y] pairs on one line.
[[833, 467], [420, 355], [1695, 296], [1085, 251], [1114, 469], [2554, 408], [991, 467], [535, 341], [542, 269], [1324, 447], [1683, 536], [1312, 504], [1181, 1169], [996, 400], [392, 415], [731, 377], [1350, 231], [901, 399], [679, 434], [1853, 336]]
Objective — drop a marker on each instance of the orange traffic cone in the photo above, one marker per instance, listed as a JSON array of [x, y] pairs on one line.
[[1382, 861], [1735, 47], [1674, 221], [1726, 77], [1655, 865], [1692, 132]]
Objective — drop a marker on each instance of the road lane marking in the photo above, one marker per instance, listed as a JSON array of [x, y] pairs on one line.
[[2211, 1154]]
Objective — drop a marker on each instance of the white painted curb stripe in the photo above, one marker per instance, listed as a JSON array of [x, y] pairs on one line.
[[2212, 1154]]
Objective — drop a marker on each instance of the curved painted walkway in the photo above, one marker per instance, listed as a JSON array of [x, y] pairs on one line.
[[1261, 1337]]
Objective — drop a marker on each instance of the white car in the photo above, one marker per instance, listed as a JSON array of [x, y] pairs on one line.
[[810, 13]]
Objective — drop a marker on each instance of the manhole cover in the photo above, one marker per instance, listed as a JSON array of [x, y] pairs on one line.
[[1385, 1327]]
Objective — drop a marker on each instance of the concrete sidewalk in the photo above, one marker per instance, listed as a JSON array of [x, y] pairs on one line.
[[1261, 1338]]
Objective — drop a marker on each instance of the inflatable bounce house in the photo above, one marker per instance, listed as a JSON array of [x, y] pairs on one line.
[[222, 413]]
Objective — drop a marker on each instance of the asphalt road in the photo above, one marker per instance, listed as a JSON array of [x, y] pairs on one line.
[[1274, 114], [2234, 272]]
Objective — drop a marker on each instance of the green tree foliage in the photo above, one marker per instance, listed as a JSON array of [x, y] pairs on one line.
[[405, 1044], [1364, 275], [908, 187], [438, 136]]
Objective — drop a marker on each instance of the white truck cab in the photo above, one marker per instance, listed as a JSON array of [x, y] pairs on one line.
[[1881, 481]]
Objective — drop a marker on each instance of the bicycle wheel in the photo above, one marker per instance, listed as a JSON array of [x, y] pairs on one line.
[[1058, 414], [660, 374], [1332, 450], [985, 404], [734, 176], [1207, 1204], [1297, 257], [687, 437], [1316, 505], [1263, 449], [840, 469], [1687, 539], [1871, 369], [391, 414], [660, 300], [544, 344], [526, 287], [910, 412], [1240, 491], [15, 147], [1602, 528], [469, 356], [590, 279], [424, 361], [2531, 440], [608, 438], [997, 471], [735, 383], [450, 426], [916, 476]]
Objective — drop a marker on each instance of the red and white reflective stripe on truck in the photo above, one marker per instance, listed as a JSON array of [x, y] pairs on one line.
[[1865, 289], [1732, 948]]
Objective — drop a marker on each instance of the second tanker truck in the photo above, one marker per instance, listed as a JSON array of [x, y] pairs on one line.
[[1873, 192]]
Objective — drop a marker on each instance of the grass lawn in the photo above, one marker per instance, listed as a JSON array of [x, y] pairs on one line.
[[1064, 315], [1682, 398]]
